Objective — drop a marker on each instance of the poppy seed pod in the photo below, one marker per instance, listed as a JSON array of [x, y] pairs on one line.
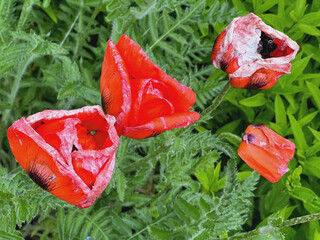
[[144, 99], [266, 151], [253, 54], [70, 154]]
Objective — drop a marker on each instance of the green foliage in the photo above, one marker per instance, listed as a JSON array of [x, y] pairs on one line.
[[180, 184]]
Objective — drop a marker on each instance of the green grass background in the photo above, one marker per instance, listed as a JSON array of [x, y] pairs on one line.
[[189, 185]]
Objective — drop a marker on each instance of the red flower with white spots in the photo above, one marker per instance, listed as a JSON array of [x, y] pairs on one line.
[[71, 154], [253, 54]]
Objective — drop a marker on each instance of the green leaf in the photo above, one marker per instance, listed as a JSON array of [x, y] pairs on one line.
[[160, 233], [280, 113], [203, 179], [312, 19], [9, 236], [254, 101], [121, 184], [311, 30], [298, 134], [300, 7], [312, 166], [188, 209], [310, 200], [297, 69], [315, 93], [50, 13]]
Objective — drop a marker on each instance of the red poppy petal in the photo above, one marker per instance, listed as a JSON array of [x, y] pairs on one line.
[[268, 165], [73, 184], [49, 132], [261, 79], [239, 82], [161, 124], [217, 45], [114, 85], [140, 66], [280, 145], [149, 101], [228, 63], [154, 107], [36, 158]]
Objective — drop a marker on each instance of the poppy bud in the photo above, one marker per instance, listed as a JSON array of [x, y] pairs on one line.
[[70, 154], [144, 99], [266, 151], [253, 54]]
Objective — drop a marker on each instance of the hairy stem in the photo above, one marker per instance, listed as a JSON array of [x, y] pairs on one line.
[[230, 135], [287, 223], [216, 102], [82, 37]]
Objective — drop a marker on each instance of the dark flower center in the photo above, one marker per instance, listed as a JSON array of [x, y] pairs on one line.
[[266, 46]]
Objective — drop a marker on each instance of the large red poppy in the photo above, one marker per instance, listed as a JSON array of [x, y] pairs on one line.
[[266, 151], [252, 53], [71, 154], [144, 99]]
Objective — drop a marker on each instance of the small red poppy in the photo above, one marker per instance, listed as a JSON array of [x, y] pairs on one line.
[[71, 154], [252, 53], [144, 99], [266, 151]]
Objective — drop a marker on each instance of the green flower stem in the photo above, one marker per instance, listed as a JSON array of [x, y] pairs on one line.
[[82, 37], [26, 10], [217, 101], [300, 220], [270, 229], [13, 94], [230, 135], [165, 148]]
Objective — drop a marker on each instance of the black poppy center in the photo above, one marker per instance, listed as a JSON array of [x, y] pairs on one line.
[[266, 46]]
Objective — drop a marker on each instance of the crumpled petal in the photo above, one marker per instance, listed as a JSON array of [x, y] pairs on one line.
[[49, 156], [153, 94], [247, 47], [161, 124], [115, 86]]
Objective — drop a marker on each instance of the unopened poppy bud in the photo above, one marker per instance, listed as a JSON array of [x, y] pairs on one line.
[[266, 151], [253, 54]]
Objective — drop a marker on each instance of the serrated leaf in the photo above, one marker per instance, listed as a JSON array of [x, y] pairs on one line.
[[121, 184], [160, 233], [188, 209], [10, 236]]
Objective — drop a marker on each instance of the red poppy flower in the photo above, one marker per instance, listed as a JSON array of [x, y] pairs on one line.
[[266, 152], [143, 98], [70, 154], [252, 53]]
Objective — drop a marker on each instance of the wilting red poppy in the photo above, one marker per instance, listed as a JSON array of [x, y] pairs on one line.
[[144, 99], [252, 53], [70, 154], [266, 151]]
